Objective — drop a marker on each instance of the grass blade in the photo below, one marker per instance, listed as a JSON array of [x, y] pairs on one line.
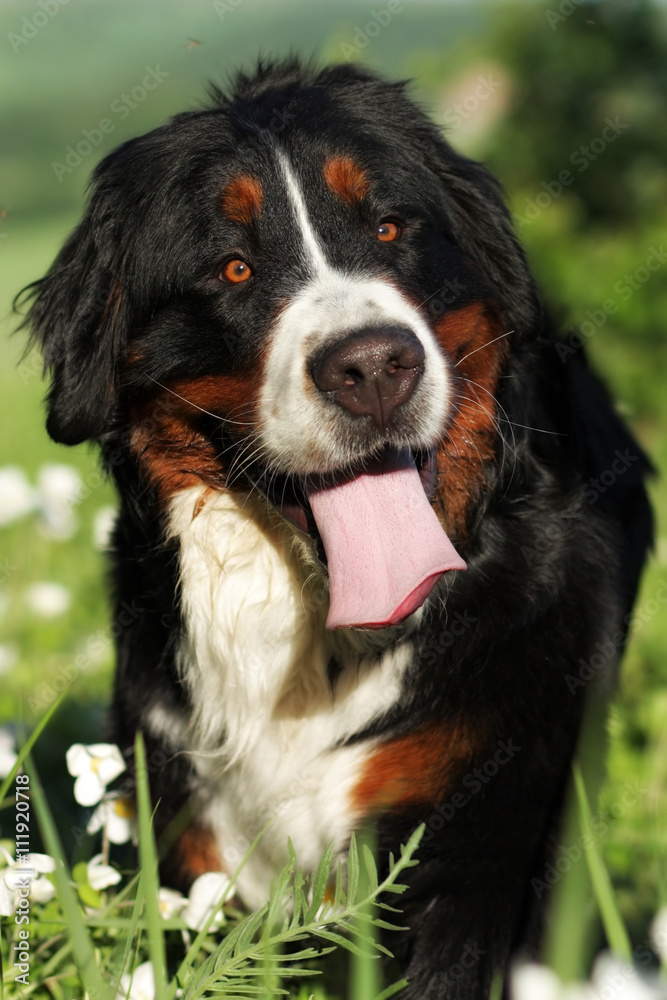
[[391, 990], [149, 871], [365, 968], [617, 935], [82, 946]]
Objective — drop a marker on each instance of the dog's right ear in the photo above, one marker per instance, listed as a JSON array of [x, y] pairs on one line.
[[79, 318]]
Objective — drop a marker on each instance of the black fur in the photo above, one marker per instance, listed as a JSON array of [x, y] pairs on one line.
[[551, 573]]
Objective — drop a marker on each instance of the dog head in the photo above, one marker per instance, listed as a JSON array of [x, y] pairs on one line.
[[299, 283]]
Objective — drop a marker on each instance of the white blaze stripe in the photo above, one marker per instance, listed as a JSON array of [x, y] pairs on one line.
[[310, 241], [300, 432]]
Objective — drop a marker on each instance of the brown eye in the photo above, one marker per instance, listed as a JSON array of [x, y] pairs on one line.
[[387, 231], [235, 271]]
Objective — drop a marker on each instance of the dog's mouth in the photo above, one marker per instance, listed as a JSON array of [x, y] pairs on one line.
[[376, 531]]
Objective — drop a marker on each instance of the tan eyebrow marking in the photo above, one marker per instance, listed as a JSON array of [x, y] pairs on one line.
[[242, 199], [346, 179]]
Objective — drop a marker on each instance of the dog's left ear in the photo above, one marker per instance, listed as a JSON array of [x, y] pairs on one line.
[[80, 320], [482, 224]]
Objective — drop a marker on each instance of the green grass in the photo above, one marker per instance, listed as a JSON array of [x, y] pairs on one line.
[[262, 954]]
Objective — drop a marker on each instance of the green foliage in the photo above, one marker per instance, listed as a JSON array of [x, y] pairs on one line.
[[305, 918], [570, 75]]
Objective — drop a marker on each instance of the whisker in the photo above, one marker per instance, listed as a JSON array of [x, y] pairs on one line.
[[488, 344], [216, 416]]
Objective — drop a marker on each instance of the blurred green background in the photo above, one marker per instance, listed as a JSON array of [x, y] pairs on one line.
[[566, 102]]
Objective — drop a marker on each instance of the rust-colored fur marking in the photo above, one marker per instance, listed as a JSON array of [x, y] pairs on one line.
[[346, 179], [197, 853], [166, 434], [414, 769], [242, 199], [468, 336]]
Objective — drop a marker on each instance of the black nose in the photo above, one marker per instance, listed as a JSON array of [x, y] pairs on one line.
[[370, 372]]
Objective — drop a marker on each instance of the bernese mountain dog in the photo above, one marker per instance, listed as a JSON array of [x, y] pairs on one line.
[[354, 464]]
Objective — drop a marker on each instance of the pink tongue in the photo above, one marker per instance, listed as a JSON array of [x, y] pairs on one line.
[[384, 544]]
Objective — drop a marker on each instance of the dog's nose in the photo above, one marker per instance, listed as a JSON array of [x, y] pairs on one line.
[[371, 371]]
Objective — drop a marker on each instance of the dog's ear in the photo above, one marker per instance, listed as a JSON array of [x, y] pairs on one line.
[[482, 225], [79, 318]]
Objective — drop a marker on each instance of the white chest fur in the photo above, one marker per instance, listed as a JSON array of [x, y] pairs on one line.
[[265, 722]]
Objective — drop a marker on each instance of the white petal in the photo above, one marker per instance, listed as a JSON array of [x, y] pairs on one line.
[[170, 902], [42, 862], [104, 750], [110, 765], [7, 760], [535, 982], [101, 875], [103, 525], [41, 890], [17, 497], [78, 759], [88, 789], [122, 820], [7, 899], [119, 829], [205, 897], [48, 600], [59, 483], [9, 657], [59, 488], [98, 818], [614, 977], [658, 932], [7, 741], [142, 983]]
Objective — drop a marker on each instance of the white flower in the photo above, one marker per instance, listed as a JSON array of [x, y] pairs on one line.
[[658, 932], [611, 977], [93, 766], [117, 814], [17, 497], [140, 985], [9, 655], [530, 981], [170, 902], [48, 600], [103, 525], [206, 895], [12, 878], [7, 753], [59, 489], [101, 875], [614, 977]]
